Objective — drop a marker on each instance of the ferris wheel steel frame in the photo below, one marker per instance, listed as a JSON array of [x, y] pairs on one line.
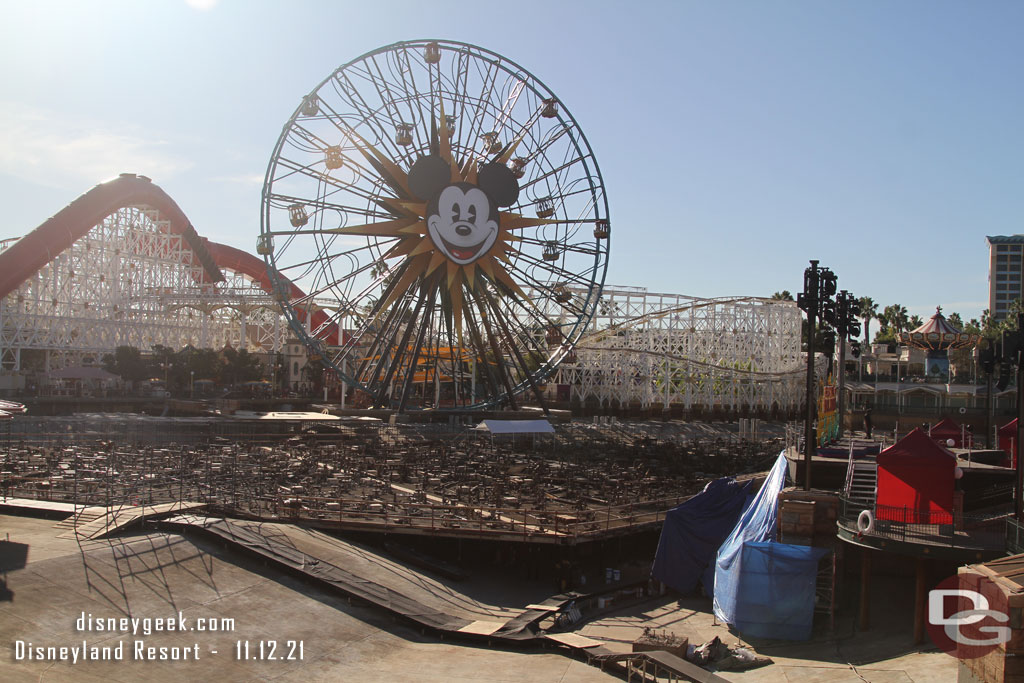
[[356, 140], [667, 351]]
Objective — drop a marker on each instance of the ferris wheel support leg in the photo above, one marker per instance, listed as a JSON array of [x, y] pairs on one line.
[[503, 373], [411, 372], [515, 350], [488, 374], [397, 359]]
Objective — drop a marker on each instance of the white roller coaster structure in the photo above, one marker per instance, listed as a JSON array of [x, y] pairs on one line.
[[130, 281], [649, 350]]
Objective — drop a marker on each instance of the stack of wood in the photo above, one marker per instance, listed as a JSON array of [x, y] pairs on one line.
[[808, 517]]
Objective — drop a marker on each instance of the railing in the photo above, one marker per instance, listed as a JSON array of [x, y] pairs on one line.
[[553, 524], [1014, 537], [848, 483], [932, 528], [461, 518]]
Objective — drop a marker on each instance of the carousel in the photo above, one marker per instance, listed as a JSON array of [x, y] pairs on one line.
[[937, 337]]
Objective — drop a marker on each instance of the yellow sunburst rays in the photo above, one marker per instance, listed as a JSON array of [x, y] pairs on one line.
[[413, 242]]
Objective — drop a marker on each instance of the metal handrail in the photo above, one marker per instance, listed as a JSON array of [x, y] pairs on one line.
[[927, 527]]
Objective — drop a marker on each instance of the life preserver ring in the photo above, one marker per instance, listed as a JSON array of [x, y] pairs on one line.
[[865, 522], [963, 410]]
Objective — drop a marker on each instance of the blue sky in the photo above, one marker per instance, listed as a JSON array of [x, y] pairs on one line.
[[737, 139]]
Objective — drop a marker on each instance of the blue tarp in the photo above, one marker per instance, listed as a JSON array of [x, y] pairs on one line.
[[775, 597], [756, 525], [694, 530]]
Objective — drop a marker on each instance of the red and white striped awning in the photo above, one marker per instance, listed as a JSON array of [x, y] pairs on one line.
[[938, 335]]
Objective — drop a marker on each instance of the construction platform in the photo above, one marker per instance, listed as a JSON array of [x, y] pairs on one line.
[[584, 483]]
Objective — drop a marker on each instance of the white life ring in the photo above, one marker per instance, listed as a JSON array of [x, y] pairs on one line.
[[963, 411], [865, 522]]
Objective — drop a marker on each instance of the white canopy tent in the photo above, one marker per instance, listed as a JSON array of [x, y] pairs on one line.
[[516, 427]]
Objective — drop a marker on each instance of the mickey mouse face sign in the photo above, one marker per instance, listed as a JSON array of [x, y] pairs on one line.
[[462, 222], [462, 218]]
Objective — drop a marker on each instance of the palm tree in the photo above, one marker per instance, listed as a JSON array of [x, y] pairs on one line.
[[784, 295], [896, 317], [1009, 323], [989, 327], [868, 312]]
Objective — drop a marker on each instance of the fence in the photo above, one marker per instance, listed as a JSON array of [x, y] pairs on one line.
[[927, 527]]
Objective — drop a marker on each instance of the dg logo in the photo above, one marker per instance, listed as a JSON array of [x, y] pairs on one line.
[[968, 616]]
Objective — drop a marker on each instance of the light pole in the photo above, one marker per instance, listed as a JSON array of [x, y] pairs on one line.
[[819, 287], [191, 383], [1011, 352]]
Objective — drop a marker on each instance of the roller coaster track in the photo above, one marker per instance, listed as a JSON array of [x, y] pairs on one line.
[[590, 341], [26, 256]]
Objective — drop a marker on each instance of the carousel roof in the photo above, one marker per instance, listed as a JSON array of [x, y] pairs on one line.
[[938, 335]]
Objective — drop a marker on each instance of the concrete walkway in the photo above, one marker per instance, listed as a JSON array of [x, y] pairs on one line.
[[883, 654], [154, 575], [162, 574]]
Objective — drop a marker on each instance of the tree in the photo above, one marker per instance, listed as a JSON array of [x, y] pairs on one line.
[[127, 362], [973, 326], [989, 327], [915, 322], [1009, 323], [893, 321], [784, 295], [962, 360], [161, 361], [239, 366], [868, 312], [191, 364]]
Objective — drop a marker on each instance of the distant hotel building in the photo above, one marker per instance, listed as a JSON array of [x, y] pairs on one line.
[[1004, 273]]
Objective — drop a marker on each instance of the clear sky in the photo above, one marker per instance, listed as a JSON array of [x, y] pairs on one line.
[[737, 139]]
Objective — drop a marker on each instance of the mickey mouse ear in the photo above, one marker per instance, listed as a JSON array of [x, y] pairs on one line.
[[499, 183], [428, 176]]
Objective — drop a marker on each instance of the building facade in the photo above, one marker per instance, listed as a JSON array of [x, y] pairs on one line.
[[1004, 273]]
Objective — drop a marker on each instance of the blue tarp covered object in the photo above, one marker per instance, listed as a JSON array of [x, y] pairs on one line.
[[756, 525], [775, 596], [694, 530]]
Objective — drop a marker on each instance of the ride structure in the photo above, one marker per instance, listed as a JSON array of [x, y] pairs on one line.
[[434, 228], [122, 266], [738, 355], [447, 201], [937, 337]]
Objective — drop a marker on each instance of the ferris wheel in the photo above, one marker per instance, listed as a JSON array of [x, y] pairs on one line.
[[436, 226]]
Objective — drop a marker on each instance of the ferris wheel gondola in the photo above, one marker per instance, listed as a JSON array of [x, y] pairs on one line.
[[424, 206]]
